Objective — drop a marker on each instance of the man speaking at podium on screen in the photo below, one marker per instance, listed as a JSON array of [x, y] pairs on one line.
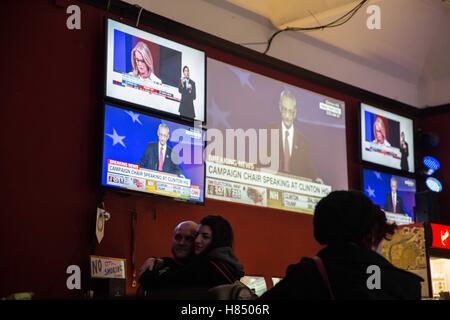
[[393, 202], [158, 156], [293, 146]]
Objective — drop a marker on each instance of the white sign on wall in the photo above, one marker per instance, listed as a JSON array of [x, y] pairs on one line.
[[107, 268]]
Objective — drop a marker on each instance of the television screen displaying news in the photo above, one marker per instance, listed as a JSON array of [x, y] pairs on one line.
[[153, 72], [394, 194], [272, 144], [387, 139], [151, 155]]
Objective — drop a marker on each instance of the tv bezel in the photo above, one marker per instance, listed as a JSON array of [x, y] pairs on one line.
[[142, 193], [143, 107]]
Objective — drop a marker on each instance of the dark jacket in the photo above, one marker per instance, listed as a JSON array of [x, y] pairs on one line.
[[215, 268], [388, 205], [188, 96], [148, 278], [404, 159], [150, 159], [346, 265]]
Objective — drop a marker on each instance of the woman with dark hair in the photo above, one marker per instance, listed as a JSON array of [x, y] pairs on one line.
[[351, 227], [214, 262]]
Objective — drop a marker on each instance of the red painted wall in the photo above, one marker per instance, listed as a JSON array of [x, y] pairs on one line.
[[51, 102], [50, 114]]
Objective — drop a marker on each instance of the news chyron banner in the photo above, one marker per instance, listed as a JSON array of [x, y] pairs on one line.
[[229, 180], [131, 176]]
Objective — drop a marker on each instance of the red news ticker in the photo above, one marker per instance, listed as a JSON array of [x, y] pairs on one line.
[[123, 164]]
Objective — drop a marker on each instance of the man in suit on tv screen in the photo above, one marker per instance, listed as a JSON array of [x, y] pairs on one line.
[[158, 155], [293, 147], [393, 202]]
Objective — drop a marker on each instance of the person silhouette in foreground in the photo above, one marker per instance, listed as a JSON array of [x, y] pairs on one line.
[[351, 227]]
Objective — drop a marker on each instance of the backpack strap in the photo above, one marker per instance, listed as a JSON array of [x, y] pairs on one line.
[[223, 270], [323, 274]]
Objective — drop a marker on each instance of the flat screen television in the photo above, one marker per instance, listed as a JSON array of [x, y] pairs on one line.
[[387, 139], [394, 194], [153, 72], [148, 154]]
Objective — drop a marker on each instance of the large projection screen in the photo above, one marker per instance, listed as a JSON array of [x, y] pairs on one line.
[[270, 143]]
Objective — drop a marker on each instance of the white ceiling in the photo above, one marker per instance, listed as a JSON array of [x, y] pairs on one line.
[[407, 60]]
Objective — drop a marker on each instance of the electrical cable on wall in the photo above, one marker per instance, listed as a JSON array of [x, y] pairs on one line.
[[139, 15], [336, 23]]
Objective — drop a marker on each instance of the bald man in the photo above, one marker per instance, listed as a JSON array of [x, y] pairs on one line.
[[182, 250]]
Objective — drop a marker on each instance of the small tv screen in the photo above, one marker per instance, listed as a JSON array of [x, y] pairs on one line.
[[153, 72], [394, 194], [387, 139], [151, 155], [256, 283]]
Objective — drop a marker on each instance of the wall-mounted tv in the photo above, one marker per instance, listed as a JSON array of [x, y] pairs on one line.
[[151, 155], [387, 139], [152, 72], [394, 194]]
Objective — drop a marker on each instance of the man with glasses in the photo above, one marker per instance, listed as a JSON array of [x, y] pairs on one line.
[[158, 155], [294, 155]]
